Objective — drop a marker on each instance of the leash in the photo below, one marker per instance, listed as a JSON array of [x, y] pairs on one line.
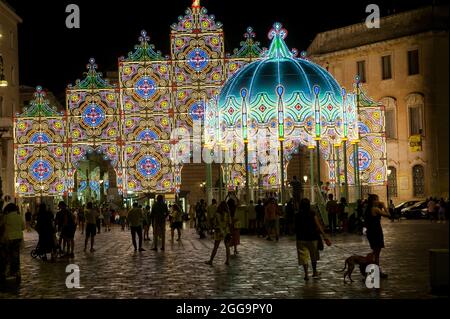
[[343, 249]]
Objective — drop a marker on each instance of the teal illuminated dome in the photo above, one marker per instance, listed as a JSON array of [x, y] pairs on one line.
[[280, 67]]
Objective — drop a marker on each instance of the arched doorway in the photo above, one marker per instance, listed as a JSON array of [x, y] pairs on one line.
[[94, 180], [392, 182], [418, 181]]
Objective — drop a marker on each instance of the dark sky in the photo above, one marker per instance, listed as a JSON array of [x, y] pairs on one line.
[[53, 56]]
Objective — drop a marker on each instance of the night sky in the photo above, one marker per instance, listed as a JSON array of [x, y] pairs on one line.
[[53, 56]]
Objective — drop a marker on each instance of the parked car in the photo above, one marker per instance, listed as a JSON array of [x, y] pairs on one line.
[[416, 211], [399, 207]]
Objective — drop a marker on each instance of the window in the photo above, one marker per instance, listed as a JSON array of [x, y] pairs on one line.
[[415, 104], [390, 123], [413, 62], [386, 67], [392, 181], [390, 105], [361, 70], [418, 181], [415, 120]]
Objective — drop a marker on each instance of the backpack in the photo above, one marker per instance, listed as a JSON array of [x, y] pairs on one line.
[[70, 218]]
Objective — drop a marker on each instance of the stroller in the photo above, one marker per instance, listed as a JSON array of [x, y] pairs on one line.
[[41, 250]]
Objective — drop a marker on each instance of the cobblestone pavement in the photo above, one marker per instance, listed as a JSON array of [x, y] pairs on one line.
[[262, 269]]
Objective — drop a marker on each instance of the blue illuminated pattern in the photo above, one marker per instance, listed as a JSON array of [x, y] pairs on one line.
[[364, 158], [93, 115], [145, 87], [147, 135], [198, 59], [148, 166], [40, 138], [41, 170], [197, 110]]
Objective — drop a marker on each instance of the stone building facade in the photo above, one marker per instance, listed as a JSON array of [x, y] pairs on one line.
[[9, 95], [404, 65]]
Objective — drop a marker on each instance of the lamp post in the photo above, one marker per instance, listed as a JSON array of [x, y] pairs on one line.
[[2, 131], [280, 92], [3, 82], [202, 186], [387, 187], [305, 178], [245, 136], [311, 169]]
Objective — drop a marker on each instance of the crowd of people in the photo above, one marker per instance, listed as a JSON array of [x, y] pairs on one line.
[[219, 220]]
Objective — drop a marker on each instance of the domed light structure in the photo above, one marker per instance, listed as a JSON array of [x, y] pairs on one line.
[[273, 105]]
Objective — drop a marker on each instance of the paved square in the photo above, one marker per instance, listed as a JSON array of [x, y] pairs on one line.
[[262, 269]]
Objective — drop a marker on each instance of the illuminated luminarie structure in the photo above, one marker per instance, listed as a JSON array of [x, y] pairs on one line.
[[137, 126]]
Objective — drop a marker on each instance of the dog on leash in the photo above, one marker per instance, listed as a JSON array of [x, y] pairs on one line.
[[354, 260]]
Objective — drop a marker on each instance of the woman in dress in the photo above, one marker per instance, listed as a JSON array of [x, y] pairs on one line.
[[176, 221], [234, 226], [375, 209], [221, 224], [46, 231]]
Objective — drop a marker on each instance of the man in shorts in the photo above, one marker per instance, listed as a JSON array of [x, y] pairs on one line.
[[91, 226], [68, 228]]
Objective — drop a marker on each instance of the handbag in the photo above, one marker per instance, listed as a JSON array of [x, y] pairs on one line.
[[320, 243]]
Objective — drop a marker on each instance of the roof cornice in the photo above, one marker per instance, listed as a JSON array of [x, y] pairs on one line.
[[6, 8]]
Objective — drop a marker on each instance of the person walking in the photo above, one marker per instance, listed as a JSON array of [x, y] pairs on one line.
[[200, 212], [81, 219], [123, 218], [13, 226], [374, 211], [58, 225], [192, 217], [91, 226], [210, 212], [290, 214], [99, 219], [251, 215], [146, 222], [296, 190], [135, 220], [28, 217], [46, 231], [431, 205], [332, 209], [107, 218], [343, 214], [176, 221], [221, 223], [235, 226], [270, 216], [69, 227], [308, 230], [158, 216], [392, 210], [260, 219]]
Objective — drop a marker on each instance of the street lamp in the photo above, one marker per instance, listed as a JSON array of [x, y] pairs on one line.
[[387, 187], [202, 186], [3, 82], [305, 178]]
